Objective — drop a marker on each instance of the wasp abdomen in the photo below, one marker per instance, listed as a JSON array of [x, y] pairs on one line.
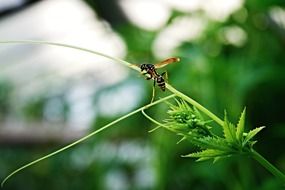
[[161, 82]]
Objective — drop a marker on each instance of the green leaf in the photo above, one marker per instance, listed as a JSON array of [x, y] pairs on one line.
[[197, 113], [229, 130], [182, 139], [203, 159], [217, 159], [240, 126], [212, 143], [208, 154], [221, 157], [251, 134]]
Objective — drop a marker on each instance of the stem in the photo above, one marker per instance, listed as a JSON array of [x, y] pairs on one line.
[[132, 66], [196, 104], [152, 120], [71, 47], [157, 123], [85, 137], [268, 165]]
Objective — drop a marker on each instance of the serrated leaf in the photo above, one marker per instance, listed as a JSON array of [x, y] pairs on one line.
[[182, 139], [216, 159], [152, 130], [208, 153], [251, 134], [212, 143], [203, 159], [229, 130], [197, 113], [221, 157], [240, 126]]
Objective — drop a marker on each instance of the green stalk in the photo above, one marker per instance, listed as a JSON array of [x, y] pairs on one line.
[[196, 104], [132, 66], [265, 163], [85, 137], [156, 122], [71, 47]]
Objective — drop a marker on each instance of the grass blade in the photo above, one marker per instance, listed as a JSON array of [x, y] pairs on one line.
[[84, 138]]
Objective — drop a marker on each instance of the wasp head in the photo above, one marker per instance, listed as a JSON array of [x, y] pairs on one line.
[[147, 67], [148, 70]]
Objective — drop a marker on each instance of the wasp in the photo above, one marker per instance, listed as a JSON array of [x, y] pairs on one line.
[[149, 70]]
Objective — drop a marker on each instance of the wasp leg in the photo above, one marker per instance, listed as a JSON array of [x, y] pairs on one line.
[[148, 76], [166, 76], [153, 92]]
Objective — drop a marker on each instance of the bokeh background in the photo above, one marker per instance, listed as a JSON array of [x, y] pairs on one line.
[[232, 53]]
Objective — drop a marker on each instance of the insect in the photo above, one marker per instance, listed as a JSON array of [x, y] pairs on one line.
[[149, 70]]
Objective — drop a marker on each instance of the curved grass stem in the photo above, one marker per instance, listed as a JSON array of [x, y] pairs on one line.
[[85, 137], [156, 122], [71, 47], [132, 66]]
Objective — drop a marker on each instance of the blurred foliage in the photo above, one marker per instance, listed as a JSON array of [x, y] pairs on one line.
[[5, 93], [46, 108], [218, 74], [34, 109]]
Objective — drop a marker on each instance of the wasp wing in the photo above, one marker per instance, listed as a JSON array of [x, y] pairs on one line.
[[166, 62]]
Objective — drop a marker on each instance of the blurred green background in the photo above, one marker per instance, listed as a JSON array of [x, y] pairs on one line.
[[232, 55]]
